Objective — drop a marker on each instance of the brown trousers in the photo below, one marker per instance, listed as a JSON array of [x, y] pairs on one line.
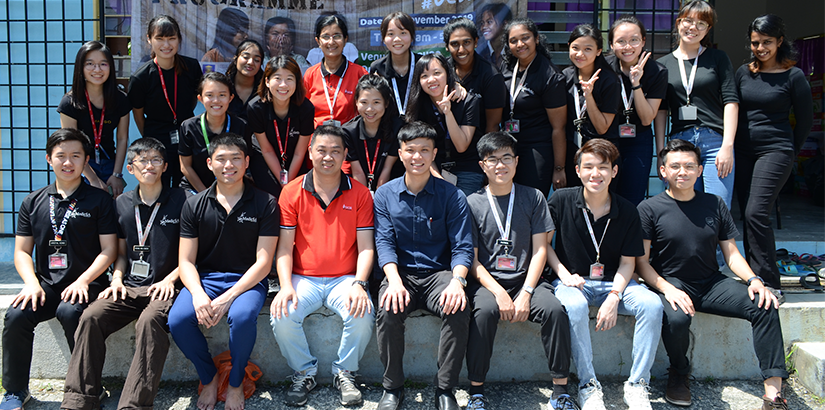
[[101, 319]]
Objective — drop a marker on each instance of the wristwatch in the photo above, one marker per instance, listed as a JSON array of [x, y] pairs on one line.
[[559, 168], [619, 294], [364, 284], [528, 289], [461, 280], [756, 278], [117, 175]]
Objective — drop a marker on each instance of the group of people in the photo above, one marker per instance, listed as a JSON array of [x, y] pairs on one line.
[[445, 208]]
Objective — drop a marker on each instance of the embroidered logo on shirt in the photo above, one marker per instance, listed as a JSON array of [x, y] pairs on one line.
[[347, 207], [166, 220], [709, 221], [77, 214], [243, 218]]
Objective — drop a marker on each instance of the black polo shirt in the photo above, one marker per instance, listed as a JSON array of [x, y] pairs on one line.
[[164, 235], [543, 89], [94, 215], [466, 112], [228, 242], [487, 85], [114, 113], [357, 137], [574, 246], [607, 92], [654, 85], [238, 107], [262, 119], [383, 67], [193, 145]]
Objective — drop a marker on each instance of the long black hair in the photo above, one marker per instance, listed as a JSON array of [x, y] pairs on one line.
[[230, 22], [233, 66], [626, 19], [380, 84], [78, 91], [418, 99], [589, 30], [166, 26], [772, 26], [541, 47]]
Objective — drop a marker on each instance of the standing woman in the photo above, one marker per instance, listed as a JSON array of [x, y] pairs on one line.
[[282, 120], [245, 74], [538, 107], [701, 98], [643, 87], [163, 91], [494, 17], [331, 83], [95, 106], [593, 94], [766, 144], [398, 32]]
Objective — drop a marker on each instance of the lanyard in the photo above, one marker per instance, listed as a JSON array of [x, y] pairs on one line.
[[371, 165], [514, 92], [593, 236], [203, 129], [504, 231], [580, 108], [688, 85], [402, 108], [58, 232], [98, 131], [282, 147], [337, 89], [142, 236], [627, 101], [165, 94]]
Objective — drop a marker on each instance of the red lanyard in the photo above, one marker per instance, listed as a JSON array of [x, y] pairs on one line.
[[98, 131], [165, 94], [282, 147], [371, 165]]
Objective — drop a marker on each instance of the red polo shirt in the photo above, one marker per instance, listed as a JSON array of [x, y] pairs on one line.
[[344, 108]]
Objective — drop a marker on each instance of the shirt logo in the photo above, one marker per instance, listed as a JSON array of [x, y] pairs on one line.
[[77, 214], [709, 221], [348, 92], [166, 220], [243, 218], [347, 207]]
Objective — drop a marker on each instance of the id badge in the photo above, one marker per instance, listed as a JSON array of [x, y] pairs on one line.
[[140, 269], [596, 271], [174, 137], [97, 155], [58, 261], [449, 176], [512, 126], [578, 139], [284, 177], [506, 263], [627, 131], [688, 113], [334, 123]]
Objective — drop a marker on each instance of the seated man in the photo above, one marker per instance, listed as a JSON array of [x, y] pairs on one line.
[[324, 259], [425, 248], [228, 235], [143, 287], [598, 239], [684, 227], [72, 226], [509, 261]]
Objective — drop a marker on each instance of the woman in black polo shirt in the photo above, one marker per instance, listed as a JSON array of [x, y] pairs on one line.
[[245, 73], [398, 34], [282, 120], [538, 108], [95, 106], [643, 87]]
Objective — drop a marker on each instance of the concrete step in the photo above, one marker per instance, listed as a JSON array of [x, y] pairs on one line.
[[809, 361]]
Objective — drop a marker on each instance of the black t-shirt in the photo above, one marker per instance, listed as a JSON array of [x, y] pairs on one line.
[[684, 234], [238, 107], [84, 122], [574, 245], [654, 85], [145, 91], [543, 89], [94, 215], [383, 67], [713, 87], [164, 235], [228, 242], [607, 92], [357, 137], [193, 145], [466, 112], [487, 85], [262, 119]]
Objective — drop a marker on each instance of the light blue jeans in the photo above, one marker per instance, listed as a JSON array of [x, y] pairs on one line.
[[709, 142], [637, 301], [314, 292]]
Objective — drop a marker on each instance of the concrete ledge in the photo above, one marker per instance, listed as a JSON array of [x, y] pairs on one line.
[[809, 361], [721, 347]]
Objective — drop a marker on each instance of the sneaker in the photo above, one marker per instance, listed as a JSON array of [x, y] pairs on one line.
[[297, 394], [477, 402], [15, 400], [591, 396], [776, 403], [678, 389], [635, 395], [344, 381], [563, 402]]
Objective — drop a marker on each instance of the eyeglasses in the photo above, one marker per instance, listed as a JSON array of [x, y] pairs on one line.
[[336, 37], [634, 42], [144, 162], [101, 65], [493, 161], [700, 25], [689, 167]]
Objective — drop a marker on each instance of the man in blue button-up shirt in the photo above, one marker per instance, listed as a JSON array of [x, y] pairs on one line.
[[424, 241]]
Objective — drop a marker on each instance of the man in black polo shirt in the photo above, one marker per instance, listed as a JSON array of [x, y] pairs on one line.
[[72, 226], [142, 289], [684, 227], [228, 235], [598, 239]]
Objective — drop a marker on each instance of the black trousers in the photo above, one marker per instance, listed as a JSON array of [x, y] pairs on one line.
[[425, 290], [545, 309], [759, 178], [723, 296], [18, 333], [535, 166]]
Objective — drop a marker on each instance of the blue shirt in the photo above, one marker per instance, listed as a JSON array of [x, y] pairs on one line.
[[430, 231]]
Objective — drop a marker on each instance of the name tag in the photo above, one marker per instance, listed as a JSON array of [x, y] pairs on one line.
[[512, 126], [57, 244], [140, 249], [449, 176], [627, 131], [58, 261], [596, 271], [174, 137], [688, 113], [140, 269], [506, 263]]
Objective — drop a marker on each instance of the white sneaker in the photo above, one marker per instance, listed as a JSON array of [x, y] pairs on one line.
[[591, 396], [635, 395]]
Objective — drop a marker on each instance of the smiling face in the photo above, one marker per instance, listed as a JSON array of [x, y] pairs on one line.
[[249, 61], [627, 42], [692, 29], [522, 44], [215, 98], [764, 47], [461, 46], [681, 169], [96, 68], [327, 153], [147, 167], [331, 41], [490, 29], [501, 172], [583, 51], [595, 172], [397, 39], [164, 47], [434, 79], [229, 164], [371, 106], [279, 40], [281, 85], [68, 160], [417, 156]]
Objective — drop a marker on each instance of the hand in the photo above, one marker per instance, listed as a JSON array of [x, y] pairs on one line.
[[444, 104], [460, 93], [280, 304], [724, 161], [358, 301], [506, 308], [522, 307], [381, 181], [608, 312], [33, 293], [574, 281], [765, 296], [163, 290], [587, 86], [76, 292], [677, 297], [203, 308], [637, 71], [113, 290], [220, 305], [396, 297], [116, 184], [559, 179], [452, 298]]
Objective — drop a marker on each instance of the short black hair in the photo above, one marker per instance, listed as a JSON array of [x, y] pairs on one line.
[[142, 145], [415, 130], [494, 141], [215, 77], [228, 139], [327, 20], [68, 134], [330, 130], [678, 145], [459, 23]]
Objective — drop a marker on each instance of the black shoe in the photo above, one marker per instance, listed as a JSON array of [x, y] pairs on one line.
[[391, 399], [299, 391], [446, 401]]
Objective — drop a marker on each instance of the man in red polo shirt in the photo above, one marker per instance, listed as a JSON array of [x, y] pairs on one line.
[[324, 259]]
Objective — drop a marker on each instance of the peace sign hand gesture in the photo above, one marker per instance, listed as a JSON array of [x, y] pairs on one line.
[[637, 71], [587, 86], [444, 105]]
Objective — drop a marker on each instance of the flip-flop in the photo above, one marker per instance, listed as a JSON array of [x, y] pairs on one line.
[[810, 260], [811, 284], [792, 269], [782, 254]]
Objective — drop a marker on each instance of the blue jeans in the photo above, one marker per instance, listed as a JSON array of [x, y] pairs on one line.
[[469, 182], [314, 292], [637, 301], [709, 142]]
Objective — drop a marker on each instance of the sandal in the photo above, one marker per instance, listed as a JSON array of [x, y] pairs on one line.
[[810, 260], [811, 284], [792, 269]]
